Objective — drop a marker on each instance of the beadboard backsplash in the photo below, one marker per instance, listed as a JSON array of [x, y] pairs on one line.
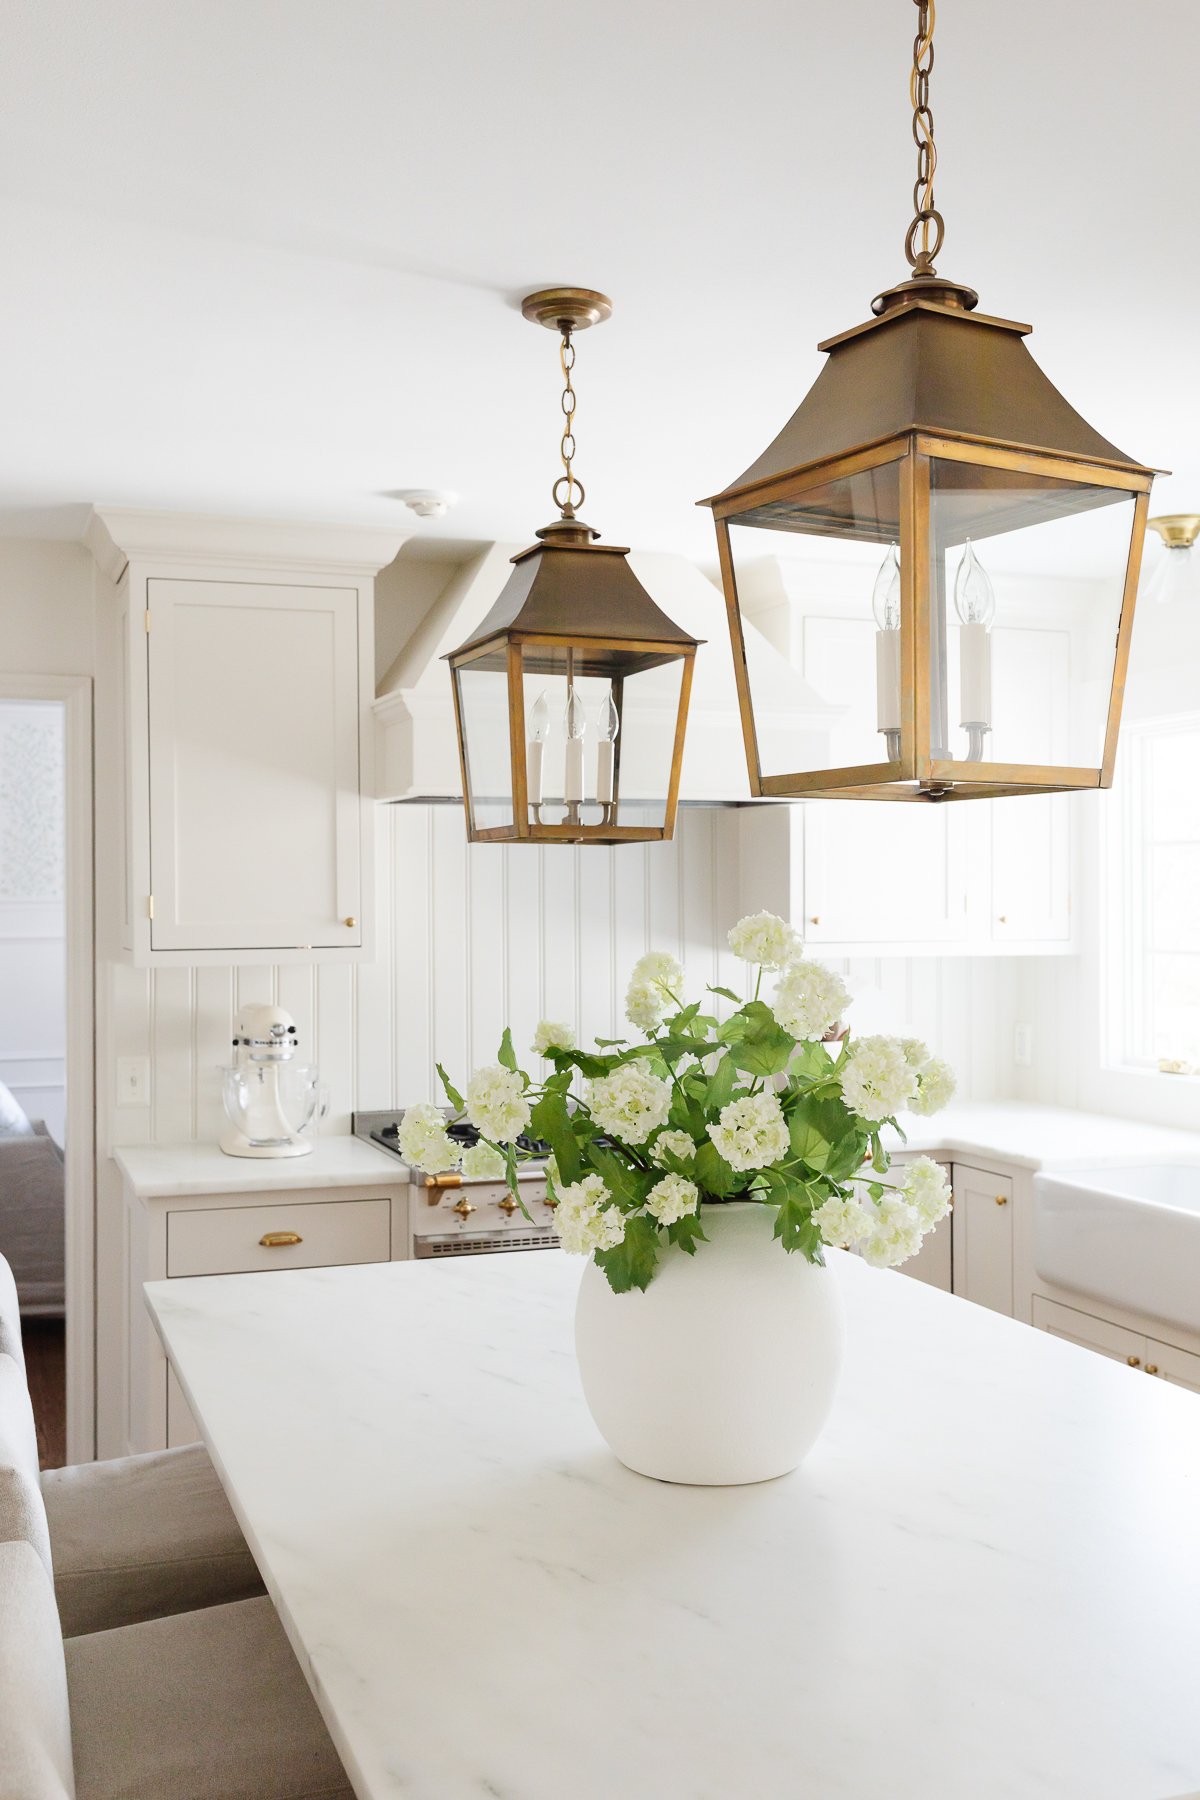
[[474, 937]]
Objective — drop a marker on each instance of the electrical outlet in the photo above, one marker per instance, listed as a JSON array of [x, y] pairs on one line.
[[1023, 1046], [133, 1081]]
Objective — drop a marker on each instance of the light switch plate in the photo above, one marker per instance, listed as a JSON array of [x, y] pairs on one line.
[[1023, 1046], [133, 1081]]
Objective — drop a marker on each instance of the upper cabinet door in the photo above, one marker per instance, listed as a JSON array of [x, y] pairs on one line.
[[253, 732]]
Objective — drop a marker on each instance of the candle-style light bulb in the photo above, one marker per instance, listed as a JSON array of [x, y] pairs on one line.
[[607, 726], [974, 595], [885, 601], [885, 604], [575, 726], [975, 604], [535, 748]]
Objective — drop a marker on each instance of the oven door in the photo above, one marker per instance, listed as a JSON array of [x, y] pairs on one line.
[[483, 1243]]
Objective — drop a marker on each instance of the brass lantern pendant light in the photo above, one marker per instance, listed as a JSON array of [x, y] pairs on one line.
[[977, 541], [571, 697]]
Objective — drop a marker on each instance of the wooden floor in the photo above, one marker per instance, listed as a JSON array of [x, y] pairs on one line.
[[46, 1362]]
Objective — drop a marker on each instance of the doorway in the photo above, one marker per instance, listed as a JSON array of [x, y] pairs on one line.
[[47, 1151]]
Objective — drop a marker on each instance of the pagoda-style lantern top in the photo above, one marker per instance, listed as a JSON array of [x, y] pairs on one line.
[[948, 493], [571, 696]]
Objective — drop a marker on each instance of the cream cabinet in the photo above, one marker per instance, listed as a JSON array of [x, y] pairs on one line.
[[983, 1237], [985, 878], [247, 668], [1149, 1354], [171, 1235]]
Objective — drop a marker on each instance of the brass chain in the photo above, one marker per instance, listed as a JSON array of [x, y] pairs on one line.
[[566, 357], [927, 220]]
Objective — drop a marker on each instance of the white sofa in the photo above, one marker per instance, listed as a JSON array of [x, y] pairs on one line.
[[139, 1657]]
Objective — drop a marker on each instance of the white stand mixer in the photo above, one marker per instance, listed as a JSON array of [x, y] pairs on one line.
[[270, 1099]]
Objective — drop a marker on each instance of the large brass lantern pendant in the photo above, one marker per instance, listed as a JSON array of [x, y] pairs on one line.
[[571, 697], [960, 550]]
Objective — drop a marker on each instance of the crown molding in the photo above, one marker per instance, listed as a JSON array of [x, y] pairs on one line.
[[117, 536]]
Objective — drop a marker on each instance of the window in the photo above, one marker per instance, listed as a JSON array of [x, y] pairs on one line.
[[1156, 921]]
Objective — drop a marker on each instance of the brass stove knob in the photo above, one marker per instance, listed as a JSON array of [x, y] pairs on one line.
[[508, 1205], [463, 1208]]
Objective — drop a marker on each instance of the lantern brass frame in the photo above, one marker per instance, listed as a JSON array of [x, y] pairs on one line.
[[916, 774], [622, 626]]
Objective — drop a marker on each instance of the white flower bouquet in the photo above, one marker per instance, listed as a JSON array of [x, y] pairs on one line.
[[777, 1104]]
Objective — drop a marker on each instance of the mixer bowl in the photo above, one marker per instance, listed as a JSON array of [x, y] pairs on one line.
[[271, 1104]]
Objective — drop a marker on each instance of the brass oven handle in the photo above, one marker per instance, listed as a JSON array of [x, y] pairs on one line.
[[463, 1208], [279, 1240], [435, 1183]]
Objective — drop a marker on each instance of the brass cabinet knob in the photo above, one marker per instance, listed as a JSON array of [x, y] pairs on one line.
[[1135, 1362], [815, 919], [351, 923], [1003, 919], [463, 1208], [1001, 1199], [508, 1205], [279, 1240], [1152, 1368]]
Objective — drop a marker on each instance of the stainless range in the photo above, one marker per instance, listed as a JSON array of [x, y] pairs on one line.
[[456, 1215]]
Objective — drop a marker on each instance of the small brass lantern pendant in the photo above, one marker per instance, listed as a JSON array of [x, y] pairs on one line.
[[969, 550], [571, 697]]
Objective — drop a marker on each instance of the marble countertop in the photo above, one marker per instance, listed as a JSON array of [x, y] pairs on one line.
[[153, 1171], [1028, 1136], [984, 1581]]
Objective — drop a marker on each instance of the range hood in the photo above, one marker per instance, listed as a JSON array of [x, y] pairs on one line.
[[418, 757]]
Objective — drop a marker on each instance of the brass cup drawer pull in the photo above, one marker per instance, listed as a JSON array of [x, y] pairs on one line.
[[280, 1240]]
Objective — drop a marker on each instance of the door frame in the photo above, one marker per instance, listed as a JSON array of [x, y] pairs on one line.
[[74, 693]]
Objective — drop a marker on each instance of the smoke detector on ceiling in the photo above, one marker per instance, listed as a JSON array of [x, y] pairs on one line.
[[427, 503]]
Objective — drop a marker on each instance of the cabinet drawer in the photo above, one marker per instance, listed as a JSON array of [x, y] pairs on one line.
[[227, 1240]]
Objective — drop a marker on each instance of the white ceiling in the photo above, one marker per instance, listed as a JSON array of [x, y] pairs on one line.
[[262, 255]]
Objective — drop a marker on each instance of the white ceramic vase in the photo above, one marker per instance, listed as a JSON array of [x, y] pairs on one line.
[[724, 1370]]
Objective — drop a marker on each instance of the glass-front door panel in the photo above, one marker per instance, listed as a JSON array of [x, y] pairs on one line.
[[818, 581], [599, 736], [483, 703], [1027, 579]]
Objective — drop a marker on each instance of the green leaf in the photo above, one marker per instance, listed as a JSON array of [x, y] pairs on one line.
[[725, 993], [721, 1084], [713, 1173], [452, 1093], [686, 1233], [825, 1135], [627, 1185], [551, 1120], [610, 1043], [510, 1170], [794, 1225], [632, 1263], [506, 1056], [757, 1042]]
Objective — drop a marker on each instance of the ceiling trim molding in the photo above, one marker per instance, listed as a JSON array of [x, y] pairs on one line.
[[117, 536]]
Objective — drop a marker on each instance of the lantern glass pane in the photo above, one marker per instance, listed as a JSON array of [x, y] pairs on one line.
[[607, 752], [811, 572], [483, 704], [1027, 579]]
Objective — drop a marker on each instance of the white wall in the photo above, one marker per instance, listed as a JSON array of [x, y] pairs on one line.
[[32, 968], [474, 937]]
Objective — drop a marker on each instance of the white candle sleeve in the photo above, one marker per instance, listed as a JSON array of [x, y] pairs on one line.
[[533, 770], [573, 784], [975, 675], [605, 763], [887, 680]]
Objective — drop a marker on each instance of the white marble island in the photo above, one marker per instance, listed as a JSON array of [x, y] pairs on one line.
[[984, 1584]]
